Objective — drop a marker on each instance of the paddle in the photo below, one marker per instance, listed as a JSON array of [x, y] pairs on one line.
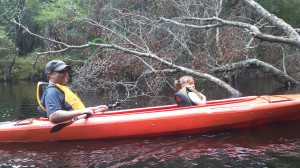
[[59, 127]]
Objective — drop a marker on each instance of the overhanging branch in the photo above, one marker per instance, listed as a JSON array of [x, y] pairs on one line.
[[262, 66]]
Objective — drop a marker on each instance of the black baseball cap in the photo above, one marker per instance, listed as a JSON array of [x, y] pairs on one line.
[[56, 65]]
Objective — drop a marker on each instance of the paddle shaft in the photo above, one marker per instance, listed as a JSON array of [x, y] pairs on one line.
[[58, 127], [85, 115]]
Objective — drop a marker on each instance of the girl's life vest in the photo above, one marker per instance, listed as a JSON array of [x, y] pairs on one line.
[[70, 97], [182, 99]]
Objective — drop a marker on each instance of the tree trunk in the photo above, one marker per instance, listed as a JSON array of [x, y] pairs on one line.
[[11, 66], [47, 35]]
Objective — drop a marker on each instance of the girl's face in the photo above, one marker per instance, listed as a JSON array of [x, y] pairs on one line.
[[191, 83]]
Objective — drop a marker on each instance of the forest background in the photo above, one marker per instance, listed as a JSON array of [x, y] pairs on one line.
[[142, 46]]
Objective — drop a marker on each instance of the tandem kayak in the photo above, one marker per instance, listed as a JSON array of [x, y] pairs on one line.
[[159, 120]]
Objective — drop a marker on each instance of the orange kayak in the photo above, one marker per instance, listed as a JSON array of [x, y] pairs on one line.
[[160, 120]]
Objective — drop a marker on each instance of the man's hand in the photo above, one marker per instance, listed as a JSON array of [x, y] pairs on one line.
[[101, 108]]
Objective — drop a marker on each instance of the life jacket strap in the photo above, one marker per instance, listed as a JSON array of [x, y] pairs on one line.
[[40, 89]]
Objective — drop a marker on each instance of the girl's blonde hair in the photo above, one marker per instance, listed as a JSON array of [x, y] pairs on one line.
[[183, 80]]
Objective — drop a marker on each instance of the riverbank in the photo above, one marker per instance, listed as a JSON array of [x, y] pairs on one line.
[[22, 68]]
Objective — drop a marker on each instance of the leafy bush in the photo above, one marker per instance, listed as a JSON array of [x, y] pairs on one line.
[[6, 45], [23, 68]]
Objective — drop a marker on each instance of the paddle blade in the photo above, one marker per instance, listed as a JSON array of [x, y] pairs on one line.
[[59, 127]]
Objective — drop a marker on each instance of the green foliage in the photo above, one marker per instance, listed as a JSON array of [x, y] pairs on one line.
[[31, 8], [23, 12], [52, 11], [74, 55], [23, 68], [6, 45], [288, 10], [98, 40], [7, 49], [102, 40], [8, 9]]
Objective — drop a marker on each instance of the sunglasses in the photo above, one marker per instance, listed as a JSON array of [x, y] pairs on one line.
[[62, 71]]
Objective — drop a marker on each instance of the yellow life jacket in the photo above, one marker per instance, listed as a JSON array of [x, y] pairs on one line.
[[182, 99], [70, 97]]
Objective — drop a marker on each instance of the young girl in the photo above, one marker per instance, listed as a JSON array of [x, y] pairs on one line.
[[187, 95]]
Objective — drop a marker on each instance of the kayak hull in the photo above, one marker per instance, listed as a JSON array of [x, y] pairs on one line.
[[161, 120]]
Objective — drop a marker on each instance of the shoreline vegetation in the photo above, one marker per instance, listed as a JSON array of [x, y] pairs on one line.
[[142, 47], [23, 69]]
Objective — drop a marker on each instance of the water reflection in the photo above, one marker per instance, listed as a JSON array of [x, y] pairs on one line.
[[17, 100], [274, 145]]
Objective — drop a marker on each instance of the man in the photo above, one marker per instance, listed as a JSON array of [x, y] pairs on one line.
[[59, 102]]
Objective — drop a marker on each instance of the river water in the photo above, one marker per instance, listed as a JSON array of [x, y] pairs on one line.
[[273, 145]]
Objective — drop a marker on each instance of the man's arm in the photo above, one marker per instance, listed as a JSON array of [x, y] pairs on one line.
[[63, 115], [53, 102]]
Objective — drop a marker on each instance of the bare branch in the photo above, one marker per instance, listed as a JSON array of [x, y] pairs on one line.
[[141, 54], [202, 33], [274, 20], [264, 67], [254, 31]]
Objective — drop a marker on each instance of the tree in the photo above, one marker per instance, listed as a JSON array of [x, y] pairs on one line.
[[284, 9], [155, 40], [7, 51]]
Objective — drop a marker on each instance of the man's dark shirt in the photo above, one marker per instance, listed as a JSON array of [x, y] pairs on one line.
[[53, 99]]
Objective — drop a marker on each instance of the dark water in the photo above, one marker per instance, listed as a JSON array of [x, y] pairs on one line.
[[273, 145]]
